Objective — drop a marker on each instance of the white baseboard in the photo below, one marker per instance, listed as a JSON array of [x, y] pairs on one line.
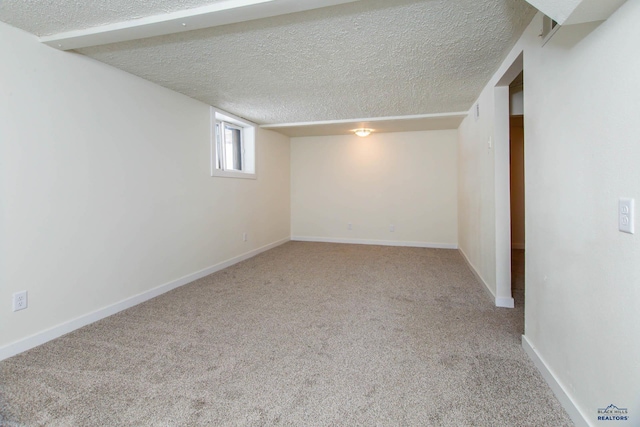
[[475, 273], [578, 418], [64, 328], [374, 242], [501, 302]]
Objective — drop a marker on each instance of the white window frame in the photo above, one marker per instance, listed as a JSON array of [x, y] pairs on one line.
[[549, 28], [248, 143]]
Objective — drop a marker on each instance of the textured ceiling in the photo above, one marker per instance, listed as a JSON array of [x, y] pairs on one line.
[[370, 58], [46, 17]]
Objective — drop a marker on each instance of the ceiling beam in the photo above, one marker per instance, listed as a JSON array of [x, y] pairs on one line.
[[567, 12], [418, 122], [222, 12], [368, 120]]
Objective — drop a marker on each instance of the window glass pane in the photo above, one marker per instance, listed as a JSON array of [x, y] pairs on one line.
[[218, 147], [233, 148]]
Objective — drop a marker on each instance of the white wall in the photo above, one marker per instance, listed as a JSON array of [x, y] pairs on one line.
[[476, 193], [407, 179], [105, 188], [581, 154]]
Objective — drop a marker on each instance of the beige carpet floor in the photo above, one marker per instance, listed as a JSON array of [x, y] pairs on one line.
[[307, 334]]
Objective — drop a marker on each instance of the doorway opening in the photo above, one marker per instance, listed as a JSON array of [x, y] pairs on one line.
[[502, 168], [517, 189]]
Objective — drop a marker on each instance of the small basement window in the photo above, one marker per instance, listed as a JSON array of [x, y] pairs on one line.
[[233, 147], [549, 28]]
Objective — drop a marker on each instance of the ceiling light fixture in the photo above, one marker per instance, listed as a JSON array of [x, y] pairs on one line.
[[363, 132]]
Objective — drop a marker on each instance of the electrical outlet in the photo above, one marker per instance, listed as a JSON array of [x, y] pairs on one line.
[[244, 237], [392, 228], [349, 226], [19, 300], [626, 215]]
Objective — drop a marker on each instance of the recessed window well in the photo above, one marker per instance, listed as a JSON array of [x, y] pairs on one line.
[[233, 147]]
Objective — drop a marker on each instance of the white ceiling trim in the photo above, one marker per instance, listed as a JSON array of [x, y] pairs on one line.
[[220, 13]]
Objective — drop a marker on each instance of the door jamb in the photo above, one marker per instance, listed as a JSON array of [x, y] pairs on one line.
[[502, 184]]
